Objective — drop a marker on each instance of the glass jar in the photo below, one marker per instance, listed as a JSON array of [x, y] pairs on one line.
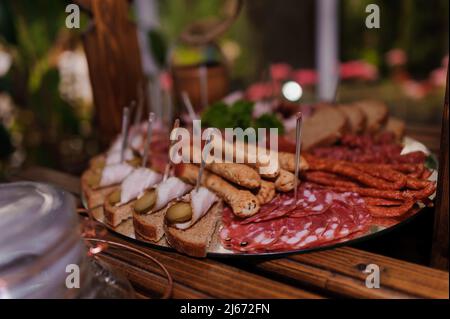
[[42, 254]]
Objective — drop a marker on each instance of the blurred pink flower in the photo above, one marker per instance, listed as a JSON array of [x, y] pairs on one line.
[[445, 61], [396, 57], [358, 69], [305, 76], [259, 91], [280, 71], [414, 89], [438, 77], [166, 80]]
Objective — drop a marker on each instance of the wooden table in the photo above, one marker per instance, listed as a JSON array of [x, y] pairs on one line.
[[325, 274]]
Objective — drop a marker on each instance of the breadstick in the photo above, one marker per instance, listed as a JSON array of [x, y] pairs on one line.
[[287, 162], [242, 202], [266, 192], [285, 181], [264, 160], [239, 174]]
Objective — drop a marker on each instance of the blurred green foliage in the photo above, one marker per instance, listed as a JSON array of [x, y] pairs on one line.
[[239, 114], [30, 31]]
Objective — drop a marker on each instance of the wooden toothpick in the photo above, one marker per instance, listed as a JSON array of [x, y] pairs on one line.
[[151, 118], [125, 121], [176, 125], [203, 162], [298, 133]]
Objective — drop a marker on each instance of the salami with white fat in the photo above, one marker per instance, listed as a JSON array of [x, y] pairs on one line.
[[318, 217]]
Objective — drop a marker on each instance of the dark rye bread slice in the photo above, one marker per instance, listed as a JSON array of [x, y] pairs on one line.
[[94, 197], [195, 240], [395, 126], [324, 127], [150, 226], [114, 215], [355, 117], [376, 113]]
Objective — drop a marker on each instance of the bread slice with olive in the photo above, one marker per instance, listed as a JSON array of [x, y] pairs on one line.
[[94, 197], [190, 223], [120, 203], [150, 208]]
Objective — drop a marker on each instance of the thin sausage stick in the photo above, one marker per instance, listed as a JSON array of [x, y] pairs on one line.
[[397, 178], [328, 179], [390, 194], [377, 211], [372, 201], [352, 172]]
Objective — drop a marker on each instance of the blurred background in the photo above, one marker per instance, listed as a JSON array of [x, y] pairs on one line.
[[46, 101]]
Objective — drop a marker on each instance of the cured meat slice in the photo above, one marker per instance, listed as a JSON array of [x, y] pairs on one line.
[[318, 217]]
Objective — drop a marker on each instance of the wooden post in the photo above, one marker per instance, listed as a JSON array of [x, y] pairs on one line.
[[439, 252], [114, 60]]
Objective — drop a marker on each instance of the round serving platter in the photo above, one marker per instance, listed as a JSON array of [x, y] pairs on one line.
[[215, 249]]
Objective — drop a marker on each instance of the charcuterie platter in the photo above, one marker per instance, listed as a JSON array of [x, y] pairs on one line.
[[354, 187]]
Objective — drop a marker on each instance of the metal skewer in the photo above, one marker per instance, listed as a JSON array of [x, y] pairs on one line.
[[151, 118], [125, 120], [176, 125], [187, 102], [298, 134], [203, 162], [336, 89], [140, 105]]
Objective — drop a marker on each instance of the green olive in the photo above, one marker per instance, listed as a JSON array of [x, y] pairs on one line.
[[179, 213], [93, 180], [135, 162], [114, 197], [146, 202]]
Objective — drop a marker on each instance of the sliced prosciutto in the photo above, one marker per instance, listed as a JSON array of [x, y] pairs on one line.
[[201, 201], [172, 188], [137, 182], [115, 174], [318, 217]]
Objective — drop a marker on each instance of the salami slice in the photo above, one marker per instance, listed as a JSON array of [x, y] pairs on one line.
[[318, 217]]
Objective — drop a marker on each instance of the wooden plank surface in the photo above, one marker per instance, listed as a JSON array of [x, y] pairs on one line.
[[337, 272], [196, 278]]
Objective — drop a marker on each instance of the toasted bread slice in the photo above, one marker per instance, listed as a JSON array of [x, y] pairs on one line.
[[97, 161], [149, 226], [195, 240], [125, 228], [355, 117], [114, 215], [376, 113], [94, 197], [395, 126], [324, 127]]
